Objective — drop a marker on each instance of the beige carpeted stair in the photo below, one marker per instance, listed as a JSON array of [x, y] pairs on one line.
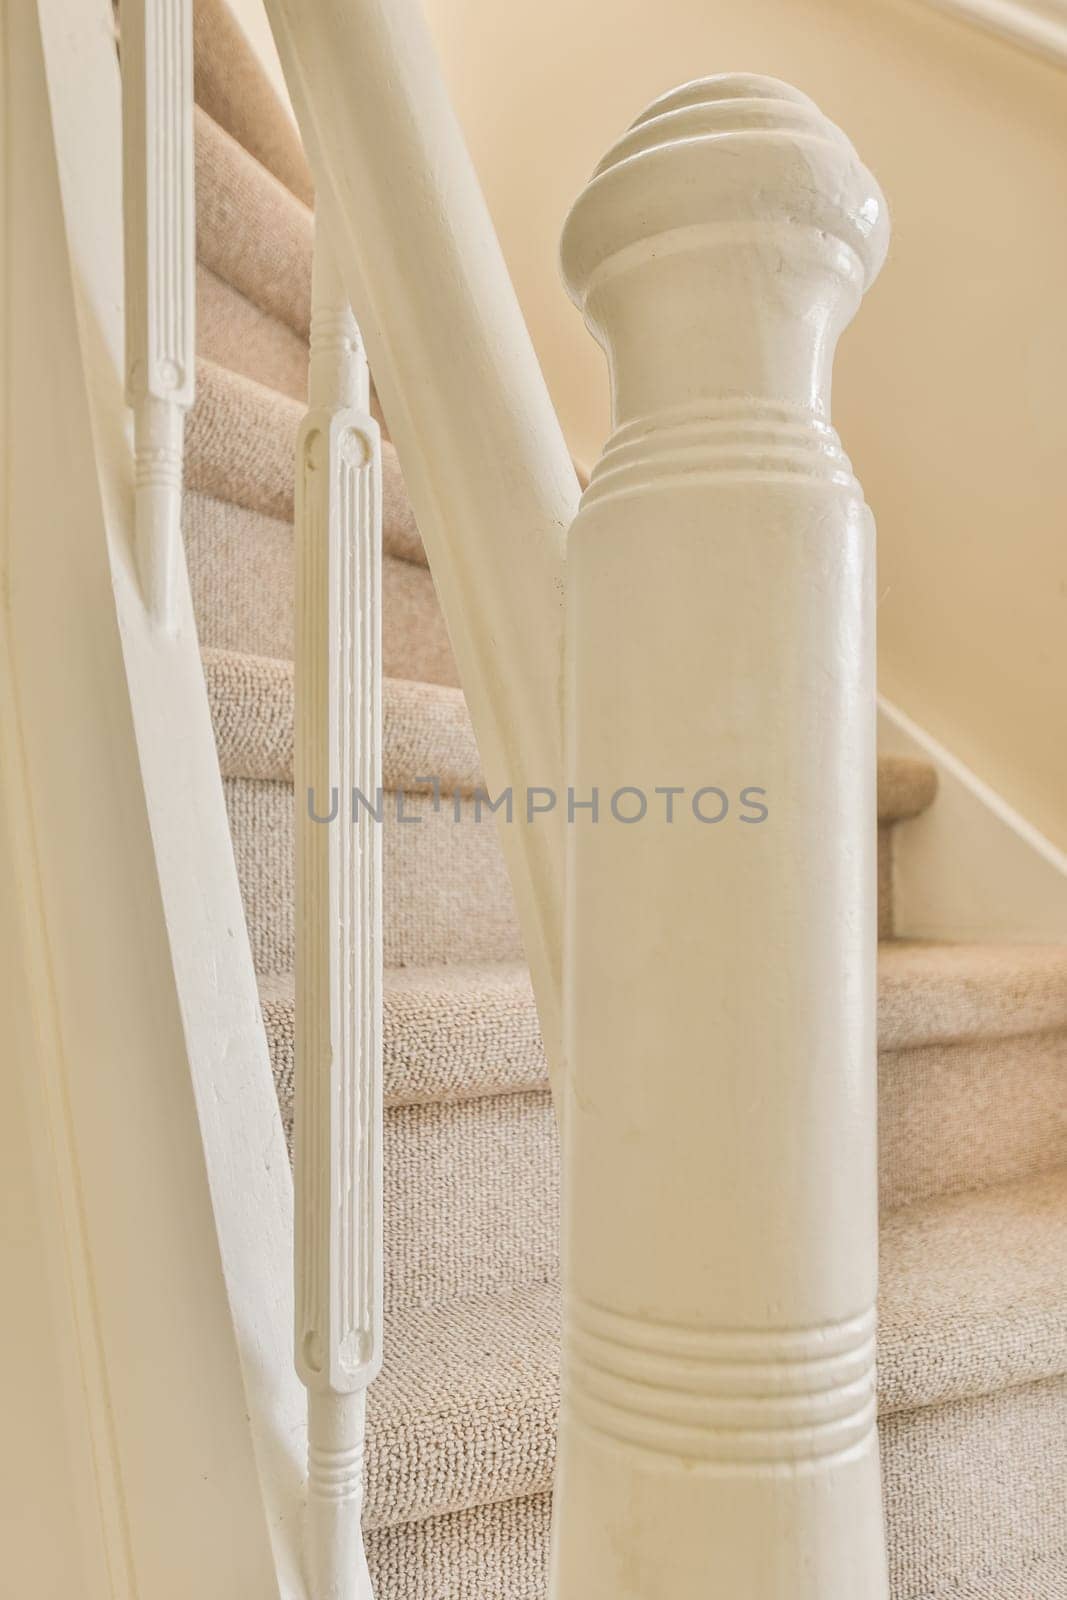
[[972, 1039]]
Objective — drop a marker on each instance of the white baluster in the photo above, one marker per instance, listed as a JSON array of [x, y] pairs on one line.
[[718, 1421], [338, 1119], [160, 263]]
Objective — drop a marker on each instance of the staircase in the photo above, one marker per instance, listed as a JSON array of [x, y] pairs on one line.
[[972, 1343]]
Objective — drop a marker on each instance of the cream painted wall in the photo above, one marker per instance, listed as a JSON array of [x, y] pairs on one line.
[[952, 383]]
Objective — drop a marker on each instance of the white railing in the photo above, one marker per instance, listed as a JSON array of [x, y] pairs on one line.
[[720, 1208], [715, 957], [338, 1113], [718, 1107], [160, 264], [485, 462]]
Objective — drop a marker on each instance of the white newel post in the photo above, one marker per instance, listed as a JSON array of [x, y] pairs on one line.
[[160, 264], [720, 1233], [338, 1115]]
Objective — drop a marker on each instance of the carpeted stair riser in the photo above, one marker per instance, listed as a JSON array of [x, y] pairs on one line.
[[470, 1199], [963, 1116], [952, 1117], [446, 895], [471, 1186], [958, 1480], [492, 1552], [242, 578]]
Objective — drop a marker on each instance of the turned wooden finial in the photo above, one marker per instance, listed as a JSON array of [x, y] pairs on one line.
[[722, 245]]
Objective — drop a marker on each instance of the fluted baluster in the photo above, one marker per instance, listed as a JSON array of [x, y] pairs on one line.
[[718, 1432], [338, 1120], [160, 260]]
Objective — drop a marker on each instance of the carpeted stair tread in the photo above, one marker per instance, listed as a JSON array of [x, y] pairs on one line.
[[232, 87], [250, 229], [973, 1293], [240, 446], [932, 993], [906, 787], [448, 1033], [464, 1410], [262, 744], [426, 729], [454, 1031], [972, 1303], [503, 1549]]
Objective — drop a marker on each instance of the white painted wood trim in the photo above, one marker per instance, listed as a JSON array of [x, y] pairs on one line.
[[1038, 26], [338, 1116], [484, 459], [160, 1195], [719, 1191], [970, 867], [160, 275]]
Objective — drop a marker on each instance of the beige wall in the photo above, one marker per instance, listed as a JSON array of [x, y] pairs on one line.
[[952, 384]]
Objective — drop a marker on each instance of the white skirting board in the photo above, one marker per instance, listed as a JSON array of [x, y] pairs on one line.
[[970, 867]]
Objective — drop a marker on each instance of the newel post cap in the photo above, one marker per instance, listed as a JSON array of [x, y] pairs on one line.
[[736, 151]]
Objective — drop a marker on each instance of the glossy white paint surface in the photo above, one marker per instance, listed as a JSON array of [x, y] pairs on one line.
[[717, 1432], [160, 261], [338, 1118]]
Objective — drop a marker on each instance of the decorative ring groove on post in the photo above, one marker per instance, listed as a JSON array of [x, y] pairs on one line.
[[744, 1399]]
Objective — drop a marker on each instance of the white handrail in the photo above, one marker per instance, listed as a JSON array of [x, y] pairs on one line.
[[338, 1113], [157, 142], [1037, 26], [484, 460], [717, 1431]]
